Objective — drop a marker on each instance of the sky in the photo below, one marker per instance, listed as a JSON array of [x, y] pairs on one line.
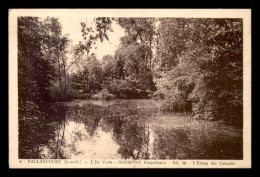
[[71, 26]]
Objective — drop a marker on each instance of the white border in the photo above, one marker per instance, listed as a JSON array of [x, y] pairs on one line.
[[187, 13]]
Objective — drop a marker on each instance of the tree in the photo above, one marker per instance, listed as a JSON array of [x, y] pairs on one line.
[[35, 69], [90, 78], [143, 31], [205, 55], [108, 65], [92, 34], [55, 48]]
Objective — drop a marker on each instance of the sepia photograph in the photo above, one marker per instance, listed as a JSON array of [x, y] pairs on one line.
[[149, 89]]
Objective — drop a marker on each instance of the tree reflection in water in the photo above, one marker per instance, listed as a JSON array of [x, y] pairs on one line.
[[131, 134], [120, 131]]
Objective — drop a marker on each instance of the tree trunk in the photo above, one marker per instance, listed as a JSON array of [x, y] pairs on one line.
[[65, 78], [59, 65], [59, 74], [150, 54]]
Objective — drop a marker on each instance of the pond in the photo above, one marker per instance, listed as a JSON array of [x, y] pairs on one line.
[[135, 129]]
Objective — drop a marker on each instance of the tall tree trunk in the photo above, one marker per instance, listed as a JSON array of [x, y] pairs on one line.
[[59, 65], [65, 78], [59, 75], [150, 54]]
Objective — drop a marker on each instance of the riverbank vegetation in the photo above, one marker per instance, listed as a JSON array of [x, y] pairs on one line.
[[191, 65]]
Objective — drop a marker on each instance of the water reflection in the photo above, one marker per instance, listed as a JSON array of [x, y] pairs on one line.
[[135, 129], [131, 134]]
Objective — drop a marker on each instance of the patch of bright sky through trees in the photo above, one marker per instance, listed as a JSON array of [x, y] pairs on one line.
[[72, 26]]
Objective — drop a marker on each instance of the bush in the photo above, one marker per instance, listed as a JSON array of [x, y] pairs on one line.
[[126, 89], [104, 95], [159, 95], [177, 103]]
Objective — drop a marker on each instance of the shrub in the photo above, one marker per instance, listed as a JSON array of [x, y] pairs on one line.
[[103, 95], [175, 102], [159, 95], [127, 89]]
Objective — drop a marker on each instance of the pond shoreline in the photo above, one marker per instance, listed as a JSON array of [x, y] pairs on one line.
[[134, 129], [159, 102]]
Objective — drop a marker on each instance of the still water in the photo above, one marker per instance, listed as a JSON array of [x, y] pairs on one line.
[[135, 129]]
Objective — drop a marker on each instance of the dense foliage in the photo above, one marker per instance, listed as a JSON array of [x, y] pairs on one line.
[[193, 65], [190, 65], [128, 73], [201, 64], [41, 67]]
